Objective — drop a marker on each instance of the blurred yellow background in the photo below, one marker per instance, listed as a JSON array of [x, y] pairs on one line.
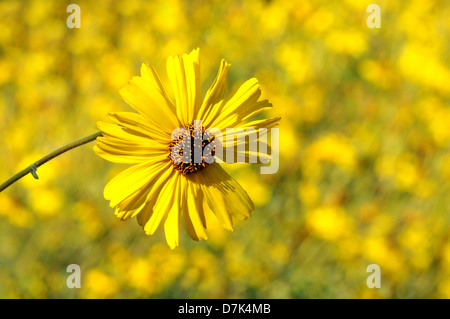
[[364, 149]]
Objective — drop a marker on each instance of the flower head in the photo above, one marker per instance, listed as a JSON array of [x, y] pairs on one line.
[[174, 146]]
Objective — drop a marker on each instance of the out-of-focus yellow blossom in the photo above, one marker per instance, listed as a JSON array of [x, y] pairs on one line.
[[12, 210], [141, 275], [101, 103], [333, 148], [377, 73], [320, 21], [358, 5], [289, 143], [379, 251], [46, 202], [295, 60], [415, 238], [404, 171], [311, 106], [352, 42], [117, 67], [416, 14], [431, 73], [274, 26], [436, 116], [407, 173], [168, 16], [99, 284], [329, 222]]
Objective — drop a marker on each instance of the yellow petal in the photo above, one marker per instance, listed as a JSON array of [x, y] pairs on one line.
[[172, 221], [150, 103], [150, 74], [238, 203], [132, 179], [217, 204], [246, 140], [239, 105], [137, 124], [115, 131], [184, 75], [119, 151], [144, 197], [266, 123], [225, 197], [163, 204], [193, 214], [215, 94], [155, 189]]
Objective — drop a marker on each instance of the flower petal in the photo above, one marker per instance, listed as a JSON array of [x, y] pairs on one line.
[[193, 213], [118, 151], [163, 204], [184, 75], [153, 195], [150, 74], [128, 182], [151, 103], [117, 132], [237, 107], [225, 197], [137, 124], [266, 123], [144, 198], [172, 220], [215, 94], [239, 205], [127, 145]]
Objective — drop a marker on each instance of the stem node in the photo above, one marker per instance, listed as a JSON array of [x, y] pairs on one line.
[[33, 169]]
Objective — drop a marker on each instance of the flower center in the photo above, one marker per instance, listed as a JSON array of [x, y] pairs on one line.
[[186, 153]]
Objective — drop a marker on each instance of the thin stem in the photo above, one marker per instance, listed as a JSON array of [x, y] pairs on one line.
[[32, 168]]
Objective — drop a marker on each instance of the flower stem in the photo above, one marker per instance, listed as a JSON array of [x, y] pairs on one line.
[[32, 168]]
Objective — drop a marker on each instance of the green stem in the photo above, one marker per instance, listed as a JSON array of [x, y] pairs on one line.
[[32, 168]]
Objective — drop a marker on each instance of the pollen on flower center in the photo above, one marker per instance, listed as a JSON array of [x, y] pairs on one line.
[[186, 152]]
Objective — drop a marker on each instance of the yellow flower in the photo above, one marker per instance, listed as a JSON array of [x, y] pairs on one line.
[[161, 186], [329, 222], [336, 149], [100, 285]]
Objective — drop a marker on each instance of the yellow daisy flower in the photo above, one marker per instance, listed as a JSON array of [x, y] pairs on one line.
[[160, 187]]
